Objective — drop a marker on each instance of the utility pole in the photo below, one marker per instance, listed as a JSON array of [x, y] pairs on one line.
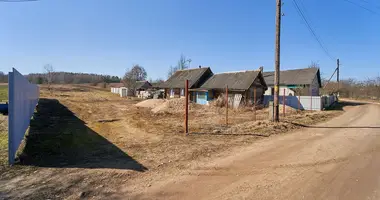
[[277, 63], [337, 74]]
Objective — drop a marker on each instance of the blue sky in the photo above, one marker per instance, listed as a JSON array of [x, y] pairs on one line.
[[109, 36]]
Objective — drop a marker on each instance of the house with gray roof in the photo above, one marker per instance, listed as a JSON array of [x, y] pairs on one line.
[[175, 85], [240, 85], [307, 80]]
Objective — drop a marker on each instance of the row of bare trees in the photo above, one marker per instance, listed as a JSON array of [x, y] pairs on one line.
[[351, 88], [70, 78]]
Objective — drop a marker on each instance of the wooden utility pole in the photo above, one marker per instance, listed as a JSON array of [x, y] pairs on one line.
[[284, 103], [227, 105], [254, 104], [186, 107], [277, 63], [337, 74]]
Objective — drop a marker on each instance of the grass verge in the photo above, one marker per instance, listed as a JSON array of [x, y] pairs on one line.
[[3, 93]]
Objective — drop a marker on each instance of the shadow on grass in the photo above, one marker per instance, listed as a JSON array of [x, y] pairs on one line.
[[57, 138]]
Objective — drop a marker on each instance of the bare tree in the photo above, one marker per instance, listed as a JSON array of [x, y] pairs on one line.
[[49, 74], [314, 64], [171, 71], [137, 73], [183, 63]]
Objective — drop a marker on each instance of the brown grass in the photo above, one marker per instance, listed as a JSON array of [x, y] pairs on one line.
[[154, 140]]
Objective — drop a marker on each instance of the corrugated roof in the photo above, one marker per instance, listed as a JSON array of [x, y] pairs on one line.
[[177, 80], [235, 80], [293, 77]]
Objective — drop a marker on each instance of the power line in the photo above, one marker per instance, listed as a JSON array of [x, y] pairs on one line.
[[306, 13], [301, 14], [362, 7], [16, 1], [376, 6]]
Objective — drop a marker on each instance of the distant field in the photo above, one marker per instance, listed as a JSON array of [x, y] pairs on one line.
[[3, 93]]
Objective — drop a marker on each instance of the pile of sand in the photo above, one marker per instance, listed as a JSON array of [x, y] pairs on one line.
[[151, 103], [172, 105], [167, 106]]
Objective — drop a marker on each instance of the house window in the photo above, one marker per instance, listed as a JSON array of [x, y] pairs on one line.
[[201, 95]]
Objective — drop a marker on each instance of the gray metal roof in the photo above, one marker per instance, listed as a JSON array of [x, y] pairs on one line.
[[177, 80], [235, 80], [294, 77]]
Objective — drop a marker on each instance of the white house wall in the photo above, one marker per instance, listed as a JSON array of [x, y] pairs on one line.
[[288, 91]]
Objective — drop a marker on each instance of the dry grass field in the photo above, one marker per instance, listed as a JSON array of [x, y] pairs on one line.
[[87, 142]]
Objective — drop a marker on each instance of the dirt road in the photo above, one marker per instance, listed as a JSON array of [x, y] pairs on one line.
[[339, 159]]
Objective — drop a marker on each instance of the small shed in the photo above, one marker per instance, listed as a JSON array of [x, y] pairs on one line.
[[241, 86]]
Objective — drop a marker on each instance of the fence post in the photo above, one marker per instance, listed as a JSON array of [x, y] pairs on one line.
[[283, 102], [299, 102], [311, 99], [254, 104], [186, 107], [227, 105]]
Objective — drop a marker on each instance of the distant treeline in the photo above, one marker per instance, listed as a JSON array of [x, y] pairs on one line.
[[66, 78], [3, 77], [351, 88]]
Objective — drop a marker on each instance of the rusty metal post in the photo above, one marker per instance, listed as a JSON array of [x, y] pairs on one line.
[[254, 104], [283, 103], [227, 105], [186, 107]]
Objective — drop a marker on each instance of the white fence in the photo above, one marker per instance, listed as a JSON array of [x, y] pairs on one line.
[[23, 98], [305, 102]]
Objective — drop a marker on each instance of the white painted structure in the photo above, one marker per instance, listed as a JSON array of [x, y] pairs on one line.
[[316, 103], [288, 91], [122, 91], [23, 98]]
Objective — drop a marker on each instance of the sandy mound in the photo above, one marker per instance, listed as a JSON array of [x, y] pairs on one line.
[[174, 105], [167, 106], [151, 103]]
